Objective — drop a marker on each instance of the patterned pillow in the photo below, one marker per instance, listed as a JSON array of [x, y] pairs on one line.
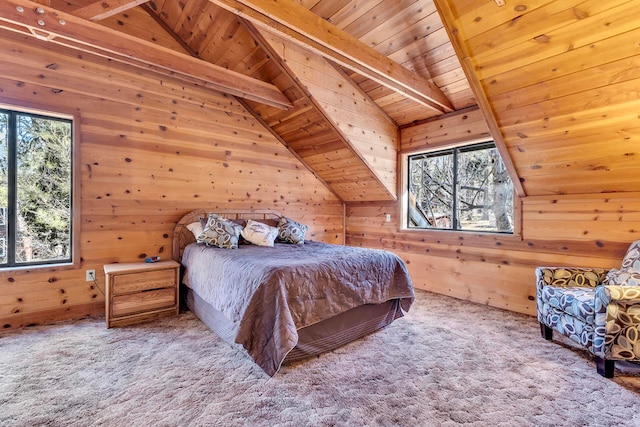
[[290, 231], [259, 234], [622, 278], [220, 232], [631, 261]]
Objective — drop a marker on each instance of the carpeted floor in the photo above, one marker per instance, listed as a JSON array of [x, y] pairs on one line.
[[446, 363]]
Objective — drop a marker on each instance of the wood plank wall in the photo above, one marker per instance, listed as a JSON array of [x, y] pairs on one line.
[[152, 149], [580, 230]]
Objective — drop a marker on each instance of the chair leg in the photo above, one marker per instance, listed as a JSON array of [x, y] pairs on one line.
[[546, 332], [605, 367]]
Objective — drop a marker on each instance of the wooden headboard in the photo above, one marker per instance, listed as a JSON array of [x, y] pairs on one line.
[[182, 236]]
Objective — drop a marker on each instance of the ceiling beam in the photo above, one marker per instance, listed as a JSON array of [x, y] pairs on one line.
[[50, 25], [448, 19], [296, 23], [103, 9]]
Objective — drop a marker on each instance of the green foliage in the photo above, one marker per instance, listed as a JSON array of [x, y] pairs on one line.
[[43, 186]]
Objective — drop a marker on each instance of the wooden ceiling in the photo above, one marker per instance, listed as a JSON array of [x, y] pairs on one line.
[[562, 80], [332, 79]]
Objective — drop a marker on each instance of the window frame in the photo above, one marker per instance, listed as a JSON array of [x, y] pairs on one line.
[[74, 118], [403, 192]]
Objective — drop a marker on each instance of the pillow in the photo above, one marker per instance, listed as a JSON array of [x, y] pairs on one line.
[[259, 234], [631, 261], [617, 277], [196, 228], [290, 231], [220, 232]]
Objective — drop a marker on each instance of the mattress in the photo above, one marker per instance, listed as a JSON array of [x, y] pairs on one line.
[[265, 297]]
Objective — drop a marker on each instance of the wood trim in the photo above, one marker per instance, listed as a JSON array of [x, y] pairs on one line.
[[79, 34], [449, 21], [297, 24], [76, 186], [45, 317], [103, 9]]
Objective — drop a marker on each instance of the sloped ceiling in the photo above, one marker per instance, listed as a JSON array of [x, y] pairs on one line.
[[332, 79], [562, 81], [556, 80]]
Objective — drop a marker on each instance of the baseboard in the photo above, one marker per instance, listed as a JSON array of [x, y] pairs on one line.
[[45, 317]]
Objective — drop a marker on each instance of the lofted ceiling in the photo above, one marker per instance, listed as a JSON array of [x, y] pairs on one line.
[[560, 81], [333, 80]]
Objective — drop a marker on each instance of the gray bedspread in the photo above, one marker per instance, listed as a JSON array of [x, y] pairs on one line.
[[268, 293]]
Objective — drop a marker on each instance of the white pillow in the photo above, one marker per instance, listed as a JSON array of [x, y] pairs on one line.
[[196, 228], [259, 234]]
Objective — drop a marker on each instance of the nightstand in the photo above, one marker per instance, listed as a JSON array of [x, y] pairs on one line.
[[139, 292]]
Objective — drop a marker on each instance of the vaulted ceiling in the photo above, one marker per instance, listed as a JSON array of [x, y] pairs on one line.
[[332, 79]]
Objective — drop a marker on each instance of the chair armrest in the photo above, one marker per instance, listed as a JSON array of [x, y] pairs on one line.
[[565, 277], [617, 321], [627, 295]]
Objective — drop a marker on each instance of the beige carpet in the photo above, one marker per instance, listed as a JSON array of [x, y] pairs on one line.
[[446, 363]]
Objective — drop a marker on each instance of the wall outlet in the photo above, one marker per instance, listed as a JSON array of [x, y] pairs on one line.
[[91, 275]]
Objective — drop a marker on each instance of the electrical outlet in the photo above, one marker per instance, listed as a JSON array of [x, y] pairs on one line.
[[91, 275]]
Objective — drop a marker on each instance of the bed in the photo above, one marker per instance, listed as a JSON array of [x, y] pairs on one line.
[[290, 301]]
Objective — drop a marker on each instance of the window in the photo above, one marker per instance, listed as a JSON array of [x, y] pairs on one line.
[[35, 189], [464, 188]]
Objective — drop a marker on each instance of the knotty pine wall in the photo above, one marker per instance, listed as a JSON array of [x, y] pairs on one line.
[[152, 149], [580, 230]]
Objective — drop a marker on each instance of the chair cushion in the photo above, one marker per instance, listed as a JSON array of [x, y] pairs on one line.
[[576, 302]]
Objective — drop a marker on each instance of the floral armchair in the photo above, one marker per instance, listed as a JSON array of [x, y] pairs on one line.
[[597, 308]]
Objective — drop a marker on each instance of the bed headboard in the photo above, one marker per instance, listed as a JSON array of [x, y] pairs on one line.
[[182, 236]]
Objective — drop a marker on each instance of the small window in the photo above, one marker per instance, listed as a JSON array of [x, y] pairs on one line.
[[35, 189], [463, 188]]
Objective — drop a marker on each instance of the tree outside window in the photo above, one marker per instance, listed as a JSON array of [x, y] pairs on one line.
[[35, 189], [464, 188]]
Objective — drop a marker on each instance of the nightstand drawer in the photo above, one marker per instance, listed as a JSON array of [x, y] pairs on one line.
[[138, 282], [123, 305], [139, 292]]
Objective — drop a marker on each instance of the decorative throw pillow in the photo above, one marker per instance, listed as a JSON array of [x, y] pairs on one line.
[[631, 261], [622, 278], [259, 234], [196, 228], [290, 231], [220, 232]]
